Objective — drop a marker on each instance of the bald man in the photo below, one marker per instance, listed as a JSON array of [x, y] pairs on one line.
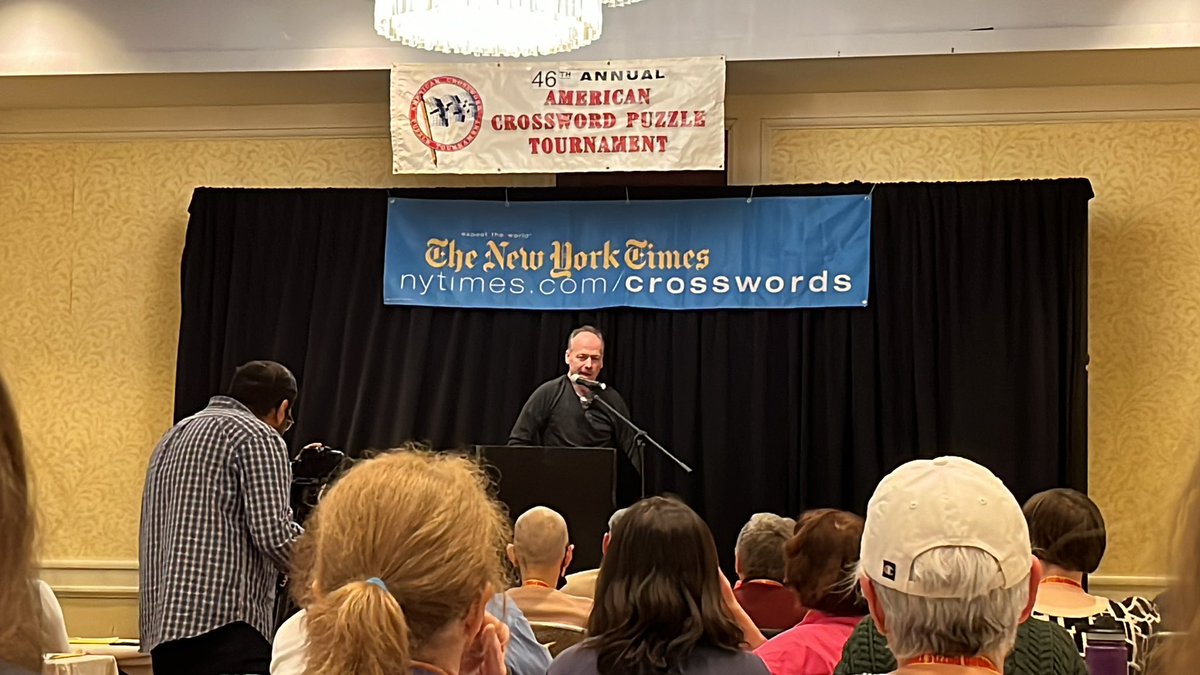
[[541, 551]]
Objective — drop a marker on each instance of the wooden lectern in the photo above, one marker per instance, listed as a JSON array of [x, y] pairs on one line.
[[579, 483]]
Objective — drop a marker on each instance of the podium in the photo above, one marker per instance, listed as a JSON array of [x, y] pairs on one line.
[[579, 483]]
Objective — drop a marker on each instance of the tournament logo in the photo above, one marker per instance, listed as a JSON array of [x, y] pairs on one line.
[[446, 114]]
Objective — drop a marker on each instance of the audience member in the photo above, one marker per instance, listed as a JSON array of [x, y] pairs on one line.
[[1069, 537], [821, 559], [217, 528], [32, 620], [402, 561], [1042, 648], [583, 584], [1179, 653], [759, 563], [947, 568], [659, 604], [541, 552]]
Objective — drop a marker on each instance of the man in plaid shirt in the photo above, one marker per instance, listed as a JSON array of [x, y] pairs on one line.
[[217, 527]]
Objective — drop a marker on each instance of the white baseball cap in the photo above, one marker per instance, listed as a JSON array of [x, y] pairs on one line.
[[934, 503]]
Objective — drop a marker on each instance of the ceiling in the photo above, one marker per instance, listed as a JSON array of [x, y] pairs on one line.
[[54, 37]]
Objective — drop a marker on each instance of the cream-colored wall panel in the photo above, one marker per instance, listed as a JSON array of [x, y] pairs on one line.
[[803, 155], [101, 617]]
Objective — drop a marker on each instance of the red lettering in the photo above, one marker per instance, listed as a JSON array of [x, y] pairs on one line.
[[662, 143], [700, 118], [643, 96], [576, 145], [496, 123], [533, 146], [631, 119], [589, 144], [547, 146], [560, 145]]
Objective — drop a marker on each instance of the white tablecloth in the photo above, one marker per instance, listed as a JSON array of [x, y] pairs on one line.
[[79, 664], [129, 659]]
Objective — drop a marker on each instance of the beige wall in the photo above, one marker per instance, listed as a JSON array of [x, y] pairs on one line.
[[1138, 146], [93, 211], [90, 239]]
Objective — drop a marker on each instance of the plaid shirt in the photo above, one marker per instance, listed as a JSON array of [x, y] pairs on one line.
[[216, 525]]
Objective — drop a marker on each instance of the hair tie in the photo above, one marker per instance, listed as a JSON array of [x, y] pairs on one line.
[[378, 582]]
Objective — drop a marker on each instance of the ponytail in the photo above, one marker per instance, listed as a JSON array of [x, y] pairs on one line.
[[358, 628]]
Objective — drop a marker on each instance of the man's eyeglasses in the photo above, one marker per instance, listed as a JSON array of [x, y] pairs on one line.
[[288, 422]]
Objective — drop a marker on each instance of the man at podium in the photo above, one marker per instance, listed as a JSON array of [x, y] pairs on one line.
[[563, 412]]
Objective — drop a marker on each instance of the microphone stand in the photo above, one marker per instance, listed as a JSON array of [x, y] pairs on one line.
[[640, 438]]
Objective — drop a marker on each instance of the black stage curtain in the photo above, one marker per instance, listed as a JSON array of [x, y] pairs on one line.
[[974, 343]]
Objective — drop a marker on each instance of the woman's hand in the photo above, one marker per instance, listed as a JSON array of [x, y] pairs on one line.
[[751, 635], [485, 654]]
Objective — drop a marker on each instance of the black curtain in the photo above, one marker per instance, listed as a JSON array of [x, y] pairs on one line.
[[974, 343]]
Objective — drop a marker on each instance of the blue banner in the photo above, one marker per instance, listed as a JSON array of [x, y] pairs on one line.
[[773, 252]]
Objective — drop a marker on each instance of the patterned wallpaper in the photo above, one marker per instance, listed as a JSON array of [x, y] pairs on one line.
[[90, 240], [91, 233], [1144, 290]]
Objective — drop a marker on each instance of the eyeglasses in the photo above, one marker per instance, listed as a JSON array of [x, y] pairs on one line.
[[288, 422]]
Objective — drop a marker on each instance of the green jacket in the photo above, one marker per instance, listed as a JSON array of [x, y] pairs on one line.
[[1042, 648]]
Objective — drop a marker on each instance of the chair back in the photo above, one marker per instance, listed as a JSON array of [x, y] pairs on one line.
[[557, 637]]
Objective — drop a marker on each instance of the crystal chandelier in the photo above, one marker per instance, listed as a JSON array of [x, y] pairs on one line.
[[491, 27]]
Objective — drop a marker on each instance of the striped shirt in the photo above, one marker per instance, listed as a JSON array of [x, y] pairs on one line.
[[217, 526]]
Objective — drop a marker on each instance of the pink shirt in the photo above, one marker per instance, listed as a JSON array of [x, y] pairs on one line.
[[813, 647]]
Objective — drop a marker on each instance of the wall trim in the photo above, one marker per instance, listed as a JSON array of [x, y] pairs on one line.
[[342, 120], [762, 117], [103, 579], [1120, 587]]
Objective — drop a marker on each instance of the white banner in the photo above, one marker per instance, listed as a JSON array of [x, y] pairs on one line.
[[514, 117]]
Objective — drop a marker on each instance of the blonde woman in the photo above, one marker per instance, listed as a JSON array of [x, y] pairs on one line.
[[30, 618], [402, 561]]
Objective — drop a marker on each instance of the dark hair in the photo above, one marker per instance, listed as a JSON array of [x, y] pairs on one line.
[[821, 557], [1066, 529], [262, 385], [760, 545], [585, 329], [658, 596]]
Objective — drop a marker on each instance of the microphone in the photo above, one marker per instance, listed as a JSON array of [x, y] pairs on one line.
[[584, 382]]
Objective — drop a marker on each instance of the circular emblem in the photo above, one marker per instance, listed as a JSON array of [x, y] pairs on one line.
[[446, 113]]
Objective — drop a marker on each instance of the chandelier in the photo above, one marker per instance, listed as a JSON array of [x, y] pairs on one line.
[[492, 27]]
